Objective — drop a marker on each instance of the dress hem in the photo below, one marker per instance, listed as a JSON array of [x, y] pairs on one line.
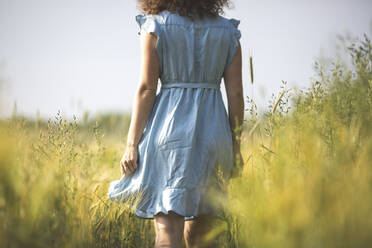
[[143, 215]]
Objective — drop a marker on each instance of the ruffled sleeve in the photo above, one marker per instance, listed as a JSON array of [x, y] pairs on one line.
[[235, 37], [148, 23]]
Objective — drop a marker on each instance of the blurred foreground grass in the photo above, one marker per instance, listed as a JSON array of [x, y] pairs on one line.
[[306, 182]]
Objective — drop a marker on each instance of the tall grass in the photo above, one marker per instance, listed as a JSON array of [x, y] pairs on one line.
[[310, 184], [306, 180]]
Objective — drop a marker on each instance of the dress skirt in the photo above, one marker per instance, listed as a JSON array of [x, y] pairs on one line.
[[185, 155]]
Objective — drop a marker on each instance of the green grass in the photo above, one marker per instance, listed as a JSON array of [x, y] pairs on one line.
[[306, 180]]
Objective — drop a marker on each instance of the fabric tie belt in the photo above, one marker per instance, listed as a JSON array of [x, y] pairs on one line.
[[190, 85]]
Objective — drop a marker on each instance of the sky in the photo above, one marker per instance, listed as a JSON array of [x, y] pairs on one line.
[[84, 55]]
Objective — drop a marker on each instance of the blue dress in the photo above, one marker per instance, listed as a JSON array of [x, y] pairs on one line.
[[185, 153]]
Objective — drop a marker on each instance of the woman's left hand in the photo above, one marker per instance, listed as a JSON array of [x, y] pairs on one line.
[[128, 163]]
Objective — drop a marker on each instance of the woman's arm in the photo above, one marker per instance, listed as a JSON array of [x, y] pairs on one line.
[[234, 91], [143, 101]]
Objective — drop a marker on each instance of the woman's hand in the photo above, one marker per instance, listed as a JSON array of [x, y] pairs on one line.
[[128, 163], [238, 163]]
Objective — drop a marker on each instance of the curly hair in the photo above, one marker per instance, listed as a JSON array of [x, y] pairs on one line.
[[188, 8]]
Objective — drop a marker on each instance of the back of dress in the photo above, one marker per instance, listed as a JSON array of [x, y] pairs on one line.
[[190, 51], [187, 140]]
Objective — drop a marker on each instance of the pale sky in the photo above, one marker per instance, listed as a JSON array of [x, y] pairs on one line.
[[78, 55]]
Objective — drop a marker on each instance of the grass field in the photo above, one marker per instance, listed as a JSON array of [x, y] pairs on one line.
[[306, 180]]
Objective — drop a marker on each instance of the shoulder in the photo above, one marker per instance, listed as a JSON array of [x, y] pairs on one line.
[[166, 17], [152, 22], [221, 22], [159, 18], [233, 25], [230, 22]]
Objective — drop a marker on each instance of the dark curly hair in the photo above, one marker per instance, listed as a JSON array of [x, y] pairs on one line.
[[188, 8]]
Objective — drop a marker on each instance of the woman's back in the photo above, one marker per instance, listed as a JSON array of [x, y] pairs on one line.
[[187, 141], [181, 151], [192, 51]]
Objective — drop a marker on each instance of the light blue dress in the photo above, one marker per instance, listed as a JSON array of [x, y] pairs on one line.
[[185, 152]]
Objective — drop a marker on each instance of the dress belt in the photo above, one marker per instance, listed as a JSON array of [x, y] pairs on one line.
[[191, 85]]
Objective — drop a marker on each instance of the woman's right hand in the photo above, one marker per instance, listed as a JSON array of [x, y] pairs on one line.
[[128, 163]]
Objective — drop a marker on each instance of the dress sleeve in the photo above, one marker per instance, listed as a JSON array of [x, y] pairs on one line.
[[149, 24], [235, 36]]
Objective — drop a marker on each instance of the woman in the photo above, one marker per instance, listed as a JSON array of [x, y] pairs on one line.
[[180, 140]]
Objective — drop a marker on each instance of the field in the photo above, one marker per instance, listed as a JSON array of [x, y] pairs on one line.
[[306, 179]]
